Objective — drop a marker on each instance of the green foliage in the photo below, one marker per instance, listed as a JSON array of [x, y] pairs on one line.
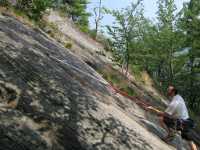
[[136, 71], [43, 24], [103, 39], [68, 45], [111, 77], [118, 80], [169, 49], [124, 32], [128, 90], [158, 43], [33, 8], [106, 42], [189, 80], [4, 3], [64, 10], [196, 118], [53, 26], [92, 33], [76, 10], [167, 41]]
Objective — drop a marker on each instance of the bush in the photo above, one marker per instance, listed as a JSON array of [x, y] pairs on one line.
[[118, 80], [106, 42], [4, 3], [129, 90], [92, 33], [33, 8], [42, 24], [53, 26], [101, 38], [68, 45], [64, 10]]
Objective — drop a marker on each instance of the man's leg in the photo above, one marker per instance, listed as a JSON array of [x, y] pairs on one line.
[[179, 141], [170, 132], [192, 145], [163, 125]]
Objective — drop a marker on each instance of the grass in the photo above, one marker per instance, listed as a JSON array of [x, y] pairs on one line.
[[136, 71], [19, 15], [22, 16], [129, 90], [117, 79]]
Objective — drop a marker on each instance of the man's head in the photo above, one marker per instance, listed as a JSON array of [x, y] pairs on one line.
[[172, 91]]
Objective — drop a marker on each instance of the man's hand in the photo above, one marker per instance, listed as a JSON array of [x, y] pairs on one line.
[[158, 112]]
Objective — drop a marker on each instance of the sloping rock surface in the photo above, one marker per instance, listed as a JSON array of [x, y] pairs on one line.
[[83, 46], [51, 100]]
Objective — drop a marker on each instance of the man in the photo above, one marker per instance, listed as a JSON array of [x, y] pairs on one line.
[[175, 117], [175, 112]]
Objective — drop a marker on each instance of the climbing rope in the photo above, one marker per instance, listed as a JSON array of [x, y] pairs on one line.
[[139, 101]]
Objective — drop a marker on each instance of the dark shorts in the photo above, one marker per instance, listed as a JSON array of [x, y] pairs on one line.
[[170, 122], [177, 125]]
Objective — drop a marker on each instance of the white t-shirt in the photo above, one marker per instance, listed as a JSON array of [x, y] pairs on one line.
[[177, 108]]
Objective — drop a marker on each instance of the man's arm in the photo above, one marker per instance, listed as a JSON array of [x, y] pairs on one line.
[[172, 108], [154, 110]]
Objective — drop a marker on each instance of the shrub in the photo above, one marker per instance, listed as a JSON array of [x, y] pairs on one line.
[[42, 24], [68, 45], [53, 26], [4, 3], [52, 34], [129, 90], [64, 10], [33, 8], [92, 33]]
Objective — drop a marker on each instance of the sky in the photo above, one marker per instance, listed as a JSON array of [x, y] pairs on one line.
[[150, 8]]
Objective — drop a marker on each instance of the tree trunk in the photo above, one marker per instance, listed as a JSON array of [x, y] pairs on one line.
[[127, 54], [97, 22]]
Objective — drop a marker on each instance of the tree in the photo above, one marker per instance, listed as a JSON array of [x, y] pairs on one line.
[[33, 8], [98, 17], [79, 14], [167, 43], [76, 10], [148, 46], [190, 23], [5, 3], [124, 32]]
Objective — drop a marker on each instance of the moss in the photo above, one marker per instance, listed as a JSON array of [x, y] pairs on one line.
[[68, 45]]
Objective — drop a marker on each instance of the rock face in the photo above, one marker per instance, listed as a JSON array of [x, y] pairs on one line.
[[51, 100], [83, 46]]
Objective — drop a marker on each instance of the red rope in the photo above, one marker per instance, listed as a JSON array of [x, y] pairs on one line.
[[136, 99]]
